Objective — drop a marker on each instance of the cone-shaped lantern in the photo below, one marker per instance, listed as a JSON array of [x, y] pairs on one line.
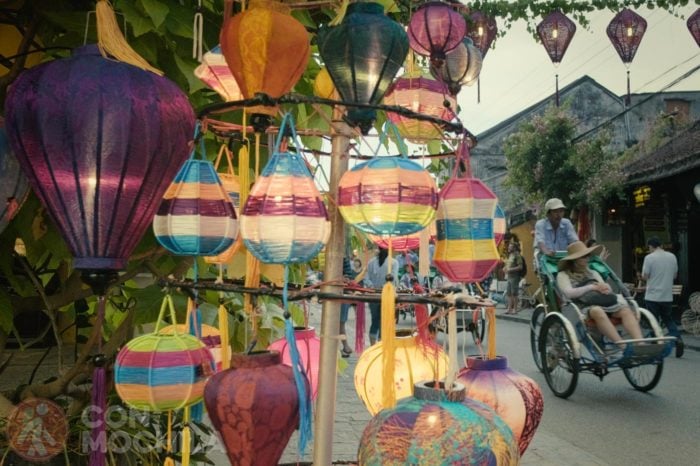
[[461, 66], [267, 51], [626, 31], [363, 54], [556, 32], [482, 30], [435, 29], [99, 140], [694, 25]]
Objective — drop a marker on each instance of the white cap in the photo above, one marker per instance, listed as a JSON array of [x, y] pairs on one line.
[[553, 204]]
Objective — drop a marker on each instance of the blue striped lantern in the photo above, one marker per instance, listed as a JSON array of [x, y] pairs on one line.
[[284, 219], [196, 217], [465, 250]]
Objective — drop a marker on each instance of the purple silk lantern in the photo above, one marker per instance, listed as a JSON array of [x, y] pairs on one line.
[[435, 29], [100, 141]]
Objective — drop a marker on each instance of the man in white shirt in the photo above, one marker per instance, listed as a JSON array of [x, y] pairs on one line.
[[659, 271], [554, 233]]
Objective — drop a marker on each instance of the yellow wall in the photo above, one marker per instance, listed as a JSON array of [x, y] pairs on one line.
[[525, 234]]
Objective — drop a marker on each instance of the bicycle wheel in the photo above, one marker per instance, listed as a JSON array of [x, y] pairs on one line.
[[559, 364], [646, 376], [536, 320]]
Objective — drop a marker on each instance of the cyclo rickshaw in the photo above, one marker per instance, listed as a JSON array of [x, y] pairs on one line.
[[565, 342]]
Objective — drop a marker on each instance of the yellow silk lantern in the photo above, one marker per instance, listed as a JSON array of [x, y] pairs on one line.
[[323, 85]]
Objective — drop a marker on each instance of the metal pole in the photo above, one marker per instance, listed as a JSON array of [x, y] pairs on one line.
[[330, 319]]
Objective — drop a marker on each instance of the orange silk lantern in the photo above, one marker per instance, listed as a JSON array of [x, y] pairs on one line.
[[266, 49]]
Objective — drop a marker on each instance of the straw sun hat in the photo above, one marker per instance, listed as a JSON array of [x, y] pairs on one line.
[[577, 249]]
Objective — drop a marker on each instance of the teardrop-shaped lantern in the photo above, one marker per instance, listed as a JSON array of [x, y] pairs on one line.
[[421, 94], [482, 30], [388, 195], [465, 250], [229, 180], [556, 32], [267, 51], [13, 184], [461, 66], [626, 31], [284, 220], [99, 140], [196, 217], [435, 29], [363, 54], [694, 25]]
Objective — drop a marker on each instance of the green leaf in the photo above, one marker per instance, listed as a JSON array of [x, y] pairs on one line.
[[140, 24], [434, 147], [156, 10], [187, 69], [179, 21]]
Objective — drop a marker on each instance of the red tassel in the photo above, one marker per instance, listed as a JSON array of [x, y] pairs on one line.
[[359, 327], [425, 339], [98, 432]]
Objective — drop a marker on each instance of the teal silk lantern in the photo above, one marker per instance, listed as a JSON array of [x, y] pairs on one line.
[[363, 54]]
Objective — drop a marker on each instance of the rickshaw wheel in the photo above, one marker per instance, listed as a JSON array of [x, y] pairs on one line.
[[646, 376], [536, 320], [559, 365]]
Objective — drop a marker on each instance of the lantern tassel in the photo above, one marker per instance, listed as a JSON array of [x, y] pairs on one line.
[[388, 333], [111, 41], [556, 85], [186, 439], [194, 326], [302, 383], [169, 442], [360, 327], [99, 396], [478, 90], [453, 364], [491, 322], [424, 253], [628, 100]]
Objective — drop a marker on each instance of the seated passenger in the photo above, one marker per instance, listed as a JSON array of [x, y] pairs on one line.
[[575, 279]]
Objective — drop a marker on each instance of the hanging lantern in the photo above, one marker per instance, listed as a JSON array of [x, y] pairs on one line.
[[435, 29], [556, 32], [514, 396], [309, 346], [284, 219], [412, 363], [403, 242], [465, 250], [694, 25], [267, 51], [13, 184], [160, 372], [215, 73], [363, 54], [388, 195], [116, 135], [196, 217], [482, 30], [323, 85], [461, 66], [210, 336], [437, 426], [499, 225], [424, 95], [254, 406], [626, 31], [229, 181]]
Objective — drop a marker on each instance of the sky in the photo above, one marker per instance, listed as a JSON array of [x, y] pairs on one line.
[[517, 71]]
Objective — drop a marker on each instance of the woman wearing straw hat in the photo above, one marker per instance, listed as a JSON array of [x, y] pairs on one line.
[[575, 279]]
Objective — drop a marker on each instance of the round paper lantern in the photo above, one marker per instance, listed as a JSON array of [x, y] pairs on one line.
[[435, 29], [363, 54], [412, 363], [387, 196], [438, 427], [462, 66], [254, 406], [309, 346], [196, 217], [161, 372], [284, 219], [514, 396], [267, 51], [404, 242], [465, 250], [116, 136], [211, 337], [499, 225], [13, 184], [421, 94]]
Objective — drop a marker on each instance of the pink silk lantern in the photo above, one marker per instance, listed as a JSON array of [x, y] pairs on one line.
[[309, 346], [514, 396], [435, 29]]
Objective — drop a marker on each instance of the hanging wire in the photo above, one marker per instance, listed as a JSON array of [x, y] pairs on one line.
[[197, 30]]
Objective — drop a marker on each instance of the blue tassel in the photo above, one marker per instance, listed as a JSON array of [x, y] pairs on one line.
[[195, 326], [302, 383]]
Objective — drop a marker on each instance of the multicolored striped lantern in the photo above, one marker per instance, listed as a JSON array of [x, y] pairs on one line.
[[388, 195], [499, 225], [210, 336], [465, 250], [412, 364], [514, 396], [196, 217], [404, 242], [161, 372], [420, 93], [309, 346], [229, 180], [284, 219], [215, 73], [437, 426]]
